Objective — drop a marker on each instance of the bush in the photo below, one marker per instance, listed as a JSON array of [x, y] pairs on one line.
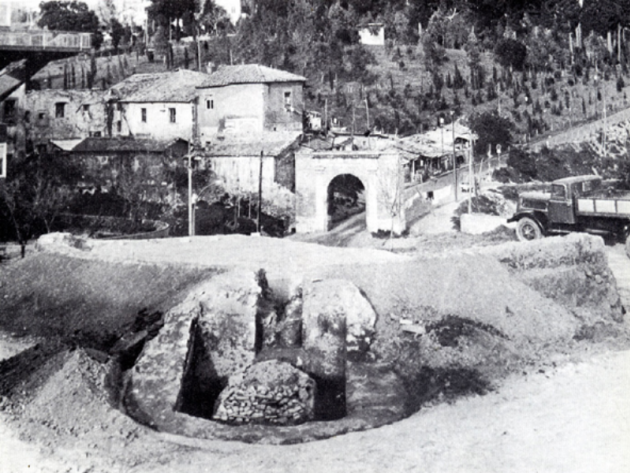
[[620, 84], [523, 162]]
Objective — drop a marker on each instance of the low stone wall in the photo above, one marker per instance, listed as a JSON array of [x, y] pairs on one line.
[[162, 230], [104, 223]]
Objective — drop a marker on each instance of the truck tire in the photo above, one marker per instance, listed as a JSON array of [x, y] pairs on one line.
[[528, 229]]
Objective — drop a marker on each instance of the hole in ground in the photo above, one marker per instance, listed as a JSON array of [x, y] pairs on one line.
[[201, 385]]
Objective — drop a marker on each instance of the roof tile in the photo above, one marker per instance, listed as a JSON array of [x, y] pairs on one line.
[[248, 74], [178, 86]]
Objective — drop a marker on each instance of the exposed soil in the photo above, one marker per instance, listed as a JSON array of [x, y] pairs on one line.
[[565, 409]]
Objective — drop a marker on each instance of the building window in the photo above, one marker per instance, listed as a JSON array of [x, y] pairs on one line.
[[143, 112], [119, 126], [288, 102], [210, 104], [10, 111], [41, 116], [172, 115], [60, 110]]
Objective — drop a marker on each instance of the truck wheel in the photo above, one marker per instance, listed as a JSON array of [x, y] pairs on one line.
[[527, 229]]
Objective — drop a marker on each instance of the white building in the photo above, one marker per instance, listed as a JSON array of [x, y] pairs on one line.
[[160, 106], [373, 35], [232, 7]]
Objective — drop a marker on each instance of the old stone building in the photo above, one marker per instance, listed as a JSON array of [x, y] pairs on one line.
[[106, 162], [248, 100], [64, 114]]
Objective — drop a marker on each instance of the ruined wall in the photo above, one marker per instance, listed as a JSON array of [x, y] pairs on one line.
[[571, 270], [84, 114]]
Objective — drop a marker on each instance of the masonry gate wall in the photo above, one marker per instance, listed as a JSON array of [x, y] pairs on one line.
[[380, 173]]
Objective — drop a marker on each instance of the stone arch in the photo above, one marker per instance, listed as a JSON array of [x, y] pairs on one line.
[[380, 173], [344, 191]]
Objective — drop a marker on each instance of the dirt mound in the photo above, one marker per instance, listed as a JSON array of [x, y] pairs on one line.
[[87, 302], [504, 306]]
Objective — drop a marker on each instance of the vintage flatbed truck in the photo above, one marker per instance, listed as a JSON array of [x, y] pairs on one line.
[[574, 204]]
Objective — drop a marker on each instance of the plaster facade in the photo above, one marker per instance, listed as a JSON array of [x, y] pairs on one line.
[[163, 121], [240, 174], [247, 109], [379, 172]]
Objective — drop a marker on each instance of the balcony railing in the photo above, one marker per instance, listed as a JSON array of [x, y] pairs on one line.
[[56, 40]]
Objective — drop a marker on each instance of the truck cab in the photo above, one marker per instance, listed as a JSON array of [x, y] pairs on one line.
[[553, 211]]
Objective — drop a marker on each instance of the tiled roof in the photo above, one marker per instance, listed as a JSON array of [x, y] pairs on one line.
[[435, 143], [124, 145], [248, 74], [178, 86], [11, 77], [270, 143]]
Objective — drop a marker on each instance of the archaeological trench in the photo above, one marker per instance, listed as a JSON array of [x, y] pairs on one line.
[[352, 347]]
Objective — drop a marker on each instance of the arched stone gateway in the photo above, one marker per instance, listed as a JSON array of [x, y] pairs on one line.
[[380, 173]]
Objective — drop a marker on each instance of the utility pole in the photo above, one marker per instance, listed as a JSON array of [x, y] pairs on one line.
[[260, 171], [189, 166], [454, 157], [471, 176]]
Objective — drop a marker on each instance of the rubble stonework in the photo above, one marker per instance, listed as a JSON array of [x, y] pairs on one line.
[[269, 392]]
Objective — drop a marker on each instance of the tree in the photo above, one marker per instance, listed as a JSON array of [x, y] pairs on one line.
[[70, 16], [39, 186], [511, 53], [491, 129], [118, 33]]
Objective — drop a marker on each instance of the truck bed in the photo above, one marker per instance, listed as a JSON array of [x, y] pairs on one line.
[[595, 205]]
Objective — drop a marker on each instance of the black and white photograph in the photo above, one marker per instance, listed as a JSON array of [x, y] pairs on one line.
[[303, 236]]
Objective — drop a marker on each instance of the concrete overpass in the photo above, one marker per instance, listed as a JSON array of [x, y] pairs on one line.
[[39, 47]]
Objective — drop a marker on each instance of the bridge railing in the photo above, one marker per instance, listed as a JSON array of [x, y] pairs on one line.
[[46, 40]]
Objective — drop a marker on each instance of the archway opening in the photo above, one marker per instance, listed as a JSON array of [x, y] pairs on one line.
[[346, 198]]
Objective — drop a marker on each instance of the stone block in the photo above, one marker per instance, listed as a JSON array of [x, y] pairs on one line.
[[324, 329], [216, 323], [324, 341], [230, 308]]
